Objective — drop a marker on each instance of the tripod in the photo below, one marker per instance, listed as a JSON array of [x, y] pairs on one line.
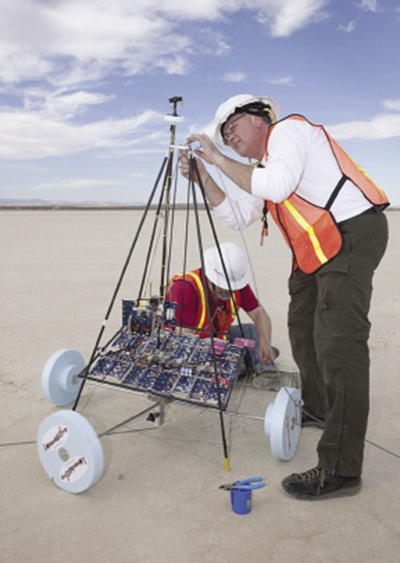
[[166, 185]]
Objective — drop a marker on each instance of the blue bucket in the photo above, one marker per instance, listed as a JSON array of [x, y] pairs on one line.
[[241, 500]]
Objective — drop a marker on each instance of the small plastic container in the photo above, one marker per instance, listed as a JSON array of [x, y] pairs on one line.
[[241, 500]]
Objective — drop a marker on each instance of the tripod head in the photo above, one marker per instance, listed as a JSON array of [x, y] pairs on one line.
[[173, 102], [174, 117]]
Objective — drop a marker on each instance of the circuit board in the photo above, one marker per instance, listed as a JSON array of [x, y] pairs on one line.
[[182, 367]]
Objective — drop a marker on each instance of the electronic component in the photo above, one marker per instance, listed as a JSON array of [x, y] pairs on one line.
[[178, 366]]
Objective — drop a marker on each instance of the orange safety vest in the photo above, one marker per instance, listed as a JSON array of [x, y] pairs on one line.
[[311, 231], [225, 317]]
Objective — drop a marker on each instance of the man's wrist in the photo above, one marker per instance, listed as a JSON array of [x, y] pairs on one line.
[[219, 160]]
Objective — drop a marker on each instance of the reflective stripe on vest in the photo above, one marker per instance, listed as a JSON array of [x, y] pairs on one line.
[[202, 310], [311, 231]]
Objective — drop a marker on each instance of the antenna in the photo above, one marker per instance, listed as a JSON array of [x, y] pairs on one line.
[[174, 117]]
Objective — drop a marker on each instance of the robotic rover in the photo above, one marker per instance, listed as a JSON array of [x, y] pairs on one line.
[[149, 354]]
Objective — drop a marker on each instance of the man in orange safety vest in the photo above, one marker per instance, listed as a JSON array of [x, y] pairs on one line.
[[330, 214]]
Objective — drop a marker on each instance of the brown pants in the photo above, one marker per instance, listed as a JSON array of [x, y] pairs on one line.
[[329, 331]]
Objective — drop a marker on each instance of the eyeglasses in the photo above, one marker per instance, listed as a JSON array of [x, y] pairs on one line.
[[220, 292], [228, 131]]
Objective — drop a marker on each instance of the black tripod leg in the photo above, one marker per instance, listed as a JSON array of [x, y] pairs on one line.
[[248, 358], [119, 283], [208, 309]]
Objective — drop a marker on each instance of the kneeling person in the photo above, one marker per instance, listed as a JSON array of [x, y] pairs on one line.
[[189, 291]]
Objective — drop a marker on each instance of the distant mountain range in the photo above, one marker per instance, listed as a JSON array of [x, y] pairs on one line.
[[50, 204], [56, 203]]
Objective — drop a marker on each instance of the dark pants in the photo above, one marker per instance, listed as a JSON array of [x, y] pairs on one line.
[[329, 330], [248, 331]]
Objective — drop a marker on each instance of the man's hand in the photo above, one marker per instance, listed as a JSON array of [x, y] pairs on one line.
[[263, 324], [184, 167], [213, 193], [238, 172], [266, 353], [208, 152]]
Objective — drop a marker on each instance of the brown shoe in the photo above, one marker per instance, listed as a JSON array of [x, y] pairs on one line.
[[318, 484]]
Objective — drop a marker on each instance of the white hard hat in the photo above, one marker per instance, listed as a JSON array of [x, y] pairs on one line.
[[231, 106], [236, 265]]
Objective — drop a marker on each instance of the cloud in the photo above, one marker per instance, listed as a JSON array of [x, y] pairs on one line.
[[282, 81], [381, 126], [285, 17], [207, 128], [393, 105], [369, 5], [56, 56], [30, 135], [241, 77], [73, 42], [60, 105], [234, 77], [349, 27]]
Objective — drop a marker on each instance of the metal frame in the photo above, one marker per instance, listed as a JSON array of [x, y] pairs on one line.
[[166, 208]]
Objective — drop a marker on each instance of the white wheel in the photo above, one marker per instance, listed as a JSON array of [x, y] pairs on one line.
[[70, 451], [60, 384], [282, 423]]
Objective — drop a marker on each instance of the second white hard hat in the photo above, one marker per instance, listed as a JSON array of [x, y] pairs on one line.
[[233, 104], [236, 264]]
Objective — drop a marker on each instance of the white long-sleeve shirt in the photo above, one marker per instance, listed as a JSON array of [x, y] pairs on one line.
[[299, 159]]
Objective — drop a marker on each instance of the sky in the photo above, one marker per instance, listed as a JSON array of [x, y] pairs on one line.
[[85, 84]]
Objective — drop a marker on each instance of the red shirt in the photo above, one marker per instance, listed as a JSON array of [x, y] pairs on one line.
[[187, 317]]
